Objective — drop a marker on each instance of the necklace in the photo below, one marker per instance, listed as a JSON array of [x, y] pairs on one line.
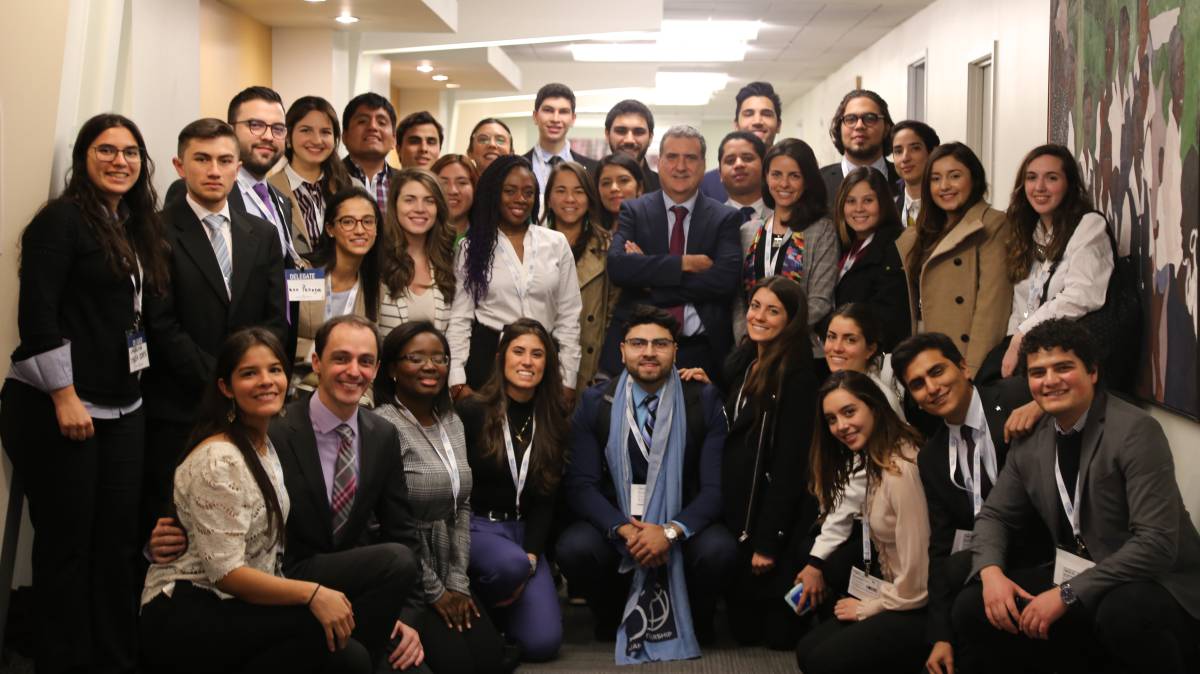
[[520, 435]]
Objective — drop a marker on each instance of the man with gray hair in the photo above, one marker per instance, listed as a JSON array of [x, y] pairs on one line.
[[679, 250]]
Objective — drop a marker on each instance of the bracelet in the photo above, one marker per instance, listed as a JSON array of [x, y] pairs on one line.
[[314, 595]]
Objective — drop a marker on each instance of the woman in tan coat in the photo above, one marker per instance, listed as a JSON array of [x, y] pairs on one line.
[[955, 256]]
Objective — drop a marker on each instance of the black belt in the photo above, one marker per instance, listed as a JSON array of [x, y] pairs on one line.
[[500, 515]]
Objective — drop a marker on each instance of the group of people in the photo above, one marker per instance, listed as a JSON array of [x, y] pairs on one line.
[[320, 413]]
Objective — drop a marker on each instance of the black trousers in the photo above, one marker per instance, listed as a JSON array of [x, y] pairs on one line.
[[891, 641], [83, 501], [479, 650], [378, 580], [166, 441], [589, 560], [757, 611], [1135, 627], [194, 630], [481, 358]]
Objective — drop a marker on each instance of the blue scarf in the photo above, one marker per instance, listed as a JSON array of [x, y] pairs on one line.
[[657, 622]]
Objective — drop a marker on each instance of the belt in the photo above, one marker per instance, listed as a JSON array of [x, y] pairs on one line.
[[500, 516]]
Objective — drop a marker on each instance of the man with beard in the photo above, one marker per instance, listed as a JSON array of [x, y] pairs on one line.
[[759, 111], [629, 128], [861, 130], [739, 159]]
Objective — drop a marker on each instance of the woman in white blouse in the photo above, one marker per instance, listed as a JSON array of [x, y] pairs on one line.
[[418, 263], [224, 605], [1060, 257], [507, 269]]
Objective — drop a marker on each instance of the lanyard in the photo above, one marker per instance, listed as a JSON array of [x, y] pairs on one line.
[[445, 452], [1071, 508], [972, 477], [770, 254], [351, 296], [854, 255], [518, 476], [137, 292], [1037, 286], [631, 419], [284, 239], [866, 533]]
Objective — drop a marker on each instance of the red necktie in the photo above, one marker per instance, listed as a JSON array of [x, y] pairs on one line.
[[677, 248]]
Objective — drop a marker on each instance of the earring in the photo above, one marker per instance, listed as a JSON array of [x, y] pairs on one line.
[[232, 416], [283, 411]]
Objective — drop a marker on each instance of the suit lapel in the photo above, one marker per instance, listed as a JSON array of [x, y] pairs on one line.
[[1046, 442], [972, 222], [1093, 432], [302, 442], [660, 236], [244, 243], [698, 230], [193, 238], [996, 417], [370, 459]]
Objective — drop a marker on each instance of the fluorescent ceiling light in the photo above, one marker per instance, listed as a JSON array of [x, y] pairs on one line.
[[678, 41], [452, 85], [424, 68], [440, 78], [346, 18]]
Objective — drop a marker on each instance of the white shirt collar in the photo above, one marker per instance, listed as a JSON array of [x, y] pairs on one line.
[[545, 156], [246, 180], [975, 420], [202, 212], [689, 204], [879, 165], [756, 205], [295, 180], [1074, 429]]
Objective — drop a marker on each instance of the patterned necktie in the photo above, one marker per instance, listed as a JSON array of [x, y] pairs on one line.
[[677, 248], [263, 193], [345, 479], [216, 236], [651, 403]]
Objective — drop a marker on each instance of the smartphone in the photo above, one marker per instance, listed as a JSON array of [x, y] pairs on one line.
[[793, 599]]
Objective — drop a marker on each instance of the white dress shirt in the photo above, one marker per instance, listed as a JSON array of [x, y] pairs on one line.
[[542, 286], [912, 208], [202, 212], [256, 207], [758, 206], [541, 162], [692, 325], [1079, 284], [879, 165]]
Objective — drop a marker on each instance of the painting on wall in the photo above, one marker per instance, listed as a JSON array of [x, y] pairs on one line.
[[1125, 96]]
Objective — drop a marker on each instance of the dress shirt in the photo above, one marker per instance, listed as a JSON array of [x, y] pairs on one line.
[[879, 165], [324, 423], [311, 200], [976, 421], [202, 212], [376, 184], [550, 295], [692, 325], [541, 162], [1079, 284], [256, 207], [759, 206], [912, 208]]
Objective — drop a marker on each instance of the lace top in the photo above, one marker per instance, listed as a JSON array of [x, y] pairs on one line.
[[225, 516]]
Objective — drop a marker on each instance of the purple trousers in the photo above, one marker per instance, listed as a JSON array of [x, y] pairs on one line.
[[498, 566]]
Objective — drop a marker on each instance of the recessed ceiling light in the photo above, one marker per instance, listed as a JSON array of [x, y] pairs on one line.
[[677, 41], [346, 18], [440, 78], [452, 85], [424, 68], [314, 1]]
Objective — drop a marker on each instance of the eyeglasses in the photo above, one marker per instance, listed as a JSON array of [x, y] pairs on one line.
[[132, 154], [870, 119], [639, 344], [498, 141], [419, 359], [259, 127], [348, 223]]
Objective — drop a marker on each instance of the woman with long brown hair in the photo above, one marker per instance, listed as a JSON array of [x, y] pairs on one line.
[[418, 263], [516, 429]]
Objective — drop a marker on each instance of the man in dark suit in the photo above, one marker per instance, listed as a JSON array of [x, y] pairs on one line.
[[226, 273], [589, 550], [629, 128], [759, 110], [679, 250], [369, 132], [554, 115], [861, 130], [973, 425], [1099, 474]]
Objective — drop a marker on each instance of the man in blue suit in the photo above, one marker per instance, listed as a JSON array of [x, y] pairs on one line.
[[678, 250]]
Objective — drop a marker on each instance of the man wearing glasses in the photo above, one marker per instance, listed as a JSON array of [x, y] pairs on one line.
[[861, 130]]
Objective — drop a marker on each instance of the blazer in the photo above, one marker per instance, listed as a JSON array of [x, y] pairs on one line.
[[877, 278], [587, 162], [963, 288], [657, 277], [188, 324], [599, 297], [711, 186], [588, 483], [282, 203], [1131, 518], [832, 175], [283, 188]]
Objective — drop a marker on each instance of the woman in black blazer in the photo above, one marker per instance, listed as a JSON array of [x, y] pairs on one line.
[[71, 418], [870, 270]]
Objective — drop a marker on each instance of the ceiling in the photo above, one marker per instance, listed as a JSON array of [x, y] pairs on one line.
[[372, 15]]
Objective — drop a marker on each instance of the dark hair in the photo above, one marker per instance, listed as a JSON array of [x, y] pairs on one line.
[[629, 106], [416, 119], [254, 93], [833, 462], [908, 350], [588, 230], [485, 221], [214, 417], [792, 348], [835, 124], [393, 345], [206, 128], [931, 223], [321, 339], [923, 131], [760, 148], [370, 271], [372, 101], [397, 267], [620, 160], [646, 314], [142, 234], [554, 90], [488, 120], [758, 89], [812, 205], [867, 320], [549, 411], [334, 177], [1075, 204], [1061, 333], [889, 217]]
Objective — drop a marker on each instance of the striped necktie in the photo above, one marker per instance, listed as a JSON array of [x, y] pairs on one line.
[[345, 479], [651, 403], [216, 236]]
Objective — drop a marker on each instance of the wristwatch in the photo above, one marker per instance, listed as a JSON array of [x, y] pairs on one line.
[[671, 532], [1067, 594]]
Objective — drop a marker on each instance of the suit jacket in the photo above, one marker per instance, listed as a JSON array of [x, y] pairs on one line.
[[711, 186], [877, 279], [1132, 518], [950, 507], [651, 180], [656, 277], [283, 204], [832, 175], [963, 288], [188, 324], [588, 163], [588, 483]]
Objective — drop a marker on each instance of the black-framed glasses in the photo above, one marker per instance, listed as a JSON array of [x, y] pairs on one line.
[[419, 359], [639, 344], [348, 223], [259, 127], [132, 154], [870, 119]]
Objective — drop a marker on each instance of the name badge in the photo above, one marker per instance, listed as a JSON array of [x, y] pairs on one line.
[[305, 285], [637, 500], [962, 540], [139, 355], [863, 587], [1068, 565]]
